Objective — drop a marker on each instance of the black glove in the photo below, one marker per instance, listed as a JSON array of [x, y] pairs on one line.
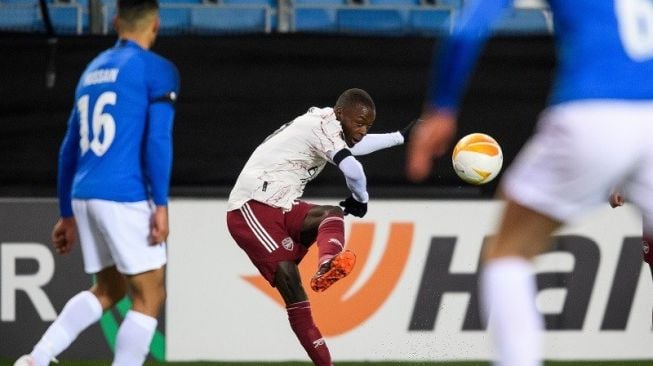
[[405, 132], [351, 206]]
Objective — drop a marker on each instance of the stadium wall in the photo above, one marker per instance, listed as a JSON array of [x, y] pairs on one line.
[[412, 295], [237, 90]]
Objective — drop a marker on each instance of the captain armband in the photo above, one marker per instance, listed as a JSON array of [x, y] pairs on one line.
[[341, 155]]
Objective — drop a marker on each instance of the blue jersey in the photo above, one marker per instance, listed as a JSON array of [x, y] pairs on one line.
[[118, 145], [604, 48]]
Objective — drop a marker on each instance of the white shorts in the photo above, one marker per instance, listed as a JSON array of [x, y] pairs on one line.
[[579, 152], [116, 233]]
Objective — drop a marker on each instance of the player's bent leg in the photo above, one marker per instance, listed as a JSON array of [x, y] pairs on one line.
[[110, 287], [314, 219], [79, 313], [508, 286], [138, 327], [333, 270], [330, 238], [325, 224], [288, 283], [148, 291]]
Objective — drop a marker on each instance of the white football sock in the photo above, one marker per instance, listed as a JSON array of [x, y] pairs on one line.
[[508, 292], [133, 339], [79, 313]]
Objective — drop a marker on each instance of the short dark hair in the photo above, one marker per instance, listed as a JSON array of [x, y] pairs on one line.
[[351, 97], [131, 11]]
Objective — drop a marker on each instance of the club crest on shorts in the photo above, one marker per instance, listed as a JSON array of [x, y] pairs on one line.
[[287, 243], [645, 246]]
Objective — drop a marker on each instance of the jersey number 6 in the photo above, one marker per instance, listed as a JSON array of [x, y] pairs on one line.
[[635, 19]]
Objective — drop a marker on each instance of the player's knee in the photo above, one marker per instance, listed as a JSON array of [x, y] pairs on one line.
[[333, 211], [148, 301], [109, 294], [319, 213], [287, 275], [154, 293], [159, 298], [314, 218], [288, 282]]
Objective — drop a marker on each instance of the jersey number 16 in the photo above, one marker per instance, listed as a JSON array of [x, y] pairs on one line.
[[101, 123]]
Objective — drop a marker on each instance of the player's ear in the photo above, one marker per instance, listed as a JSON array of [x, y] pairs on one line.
[[338, 112], [156, 24]]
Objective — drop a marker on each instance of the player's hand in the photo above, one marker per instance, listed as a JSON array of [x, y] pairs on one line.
[[64, 235], [159, 228], [616, 199], [356, 208], [405, 132], [429, 139]]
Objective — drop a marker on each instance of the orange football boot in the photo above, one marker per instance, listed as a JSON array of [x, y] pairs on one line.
[[333, 270]]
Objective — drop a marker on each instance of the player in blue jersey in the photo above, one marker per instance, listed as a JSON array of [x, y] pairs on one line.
[[114, 172], [593, 135]]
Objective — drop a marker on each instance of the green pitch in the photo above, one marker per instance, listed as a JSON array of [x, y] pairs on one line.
[[478, 363]]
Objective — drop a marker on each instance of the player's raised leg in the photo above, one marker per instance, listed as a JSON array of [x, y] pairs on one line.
[[326, 226], [508, 286]]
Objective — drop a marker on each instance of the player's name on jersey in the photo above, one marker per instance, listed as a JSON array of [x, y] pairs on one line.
[[101, 76]]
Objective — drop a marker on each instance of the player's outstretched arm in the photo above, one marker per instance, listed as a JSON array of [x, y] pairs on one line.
[[354, 174], [378, 141]]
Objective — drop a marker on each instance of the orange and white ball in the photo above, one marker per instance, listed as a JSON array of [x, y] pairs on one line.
[[477, 158]]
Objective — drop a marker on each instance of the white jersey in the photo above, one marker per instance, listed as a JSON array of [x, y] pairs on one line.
[[278, 170]]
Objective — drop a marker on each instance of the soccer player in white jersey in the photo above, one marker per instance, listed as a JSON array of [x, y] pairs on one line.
[[593, 135], [275, 229], [113, 179]]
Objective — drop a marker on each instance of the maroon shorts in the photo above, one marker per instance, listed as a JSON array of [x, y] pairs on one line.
[[268, 235]]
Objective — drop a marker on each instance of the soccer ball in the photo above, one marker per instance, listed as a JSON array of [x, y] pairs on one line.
[[477, 158]]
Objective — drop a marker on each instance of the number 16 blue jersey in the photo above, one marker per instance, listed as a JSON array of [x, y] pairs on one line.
[[118, 145]]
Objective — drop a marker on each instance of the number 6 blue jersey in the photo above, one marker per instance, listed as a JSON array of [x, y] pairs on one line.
[[604, 47], [118, 145]]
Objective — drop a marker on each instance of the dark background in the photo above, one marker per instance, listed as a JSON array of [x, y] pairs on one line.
[[236, 90]]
